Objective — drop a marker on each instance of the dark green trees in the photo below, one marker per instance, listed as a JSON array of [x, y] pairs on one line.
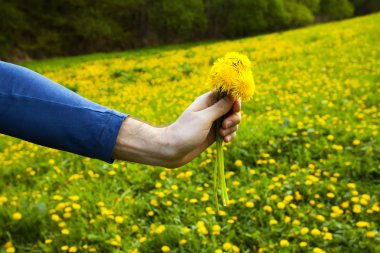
[[38, 28]]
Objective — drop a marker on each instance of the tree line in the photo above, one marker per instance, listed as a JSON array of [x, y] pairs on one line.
[[39, 28]]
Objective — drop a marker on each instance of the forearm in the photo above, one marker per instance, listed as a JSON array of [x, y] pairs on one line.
[[142, 143]]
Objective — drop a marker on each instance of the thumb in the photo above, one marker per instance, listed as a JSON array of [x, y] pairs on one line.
[[219, 109]]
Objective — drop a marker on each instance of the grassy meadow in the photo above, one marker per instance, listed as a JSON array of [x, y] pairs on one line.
[[303, 173]]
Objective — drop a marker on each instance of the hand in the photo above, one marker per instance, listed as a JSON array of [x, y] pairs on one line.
[[180, 142]]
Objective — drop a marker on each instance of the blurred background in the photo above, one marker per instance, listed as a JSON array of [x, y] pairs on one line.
[[33, 29]]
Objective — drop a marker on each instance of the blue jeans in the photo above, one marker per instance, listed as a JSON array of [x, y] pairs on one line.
[[38, 110]]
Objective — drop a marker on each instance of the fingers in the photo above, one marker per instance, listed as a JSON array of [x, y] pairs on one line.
[[231, 120], [225, 132], [218, 109], [230, 137], [237, 106], [204, 101]]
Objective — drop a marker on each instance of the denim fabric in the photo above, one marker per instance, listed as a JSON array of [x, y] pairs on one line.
[[38, 110]]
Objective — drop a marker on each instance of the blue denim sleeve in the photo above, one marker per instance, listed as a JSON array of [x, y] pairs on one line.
[[38, 110]]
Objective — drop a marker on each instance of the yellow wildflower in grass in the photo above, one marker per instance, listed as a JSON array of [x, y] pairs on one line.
[[304, 231], [268, 209], [216, 229], [249, 204], [273, 222], [64, 248], [119, 219], [205, 197], [303, 244], [320, 217], [227, 246], [182, 242], [315, 232], [116, 241], [328, 236], [10, 250], [345, 204], [296, 222], [363, 224], [238, 163], [76, 206], [235, 249], [160, 229], [17, 216], [281, 205], [165, 248], [73, 249], [356, 142], [65, 231], [357, 209], [318, 250], [201, 228], [100, 204], [230, 75], [284, 243], [371, 234]]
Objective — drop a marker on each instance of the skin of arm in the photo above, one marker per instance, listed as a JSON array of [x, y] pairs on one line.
[[179, 143]]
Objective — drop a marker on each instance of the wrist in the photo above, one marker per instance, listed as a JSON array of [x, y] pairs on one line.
[[143, 143]]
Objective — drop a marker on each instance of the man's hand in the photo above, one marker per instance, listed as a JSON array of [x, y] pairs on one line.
[[180, 142]]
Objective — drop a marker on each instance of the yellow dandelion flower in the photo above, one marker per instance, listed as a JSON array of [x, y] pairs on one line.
[[10, 250], [65, 231], [238, 163], [328, 236], [357, 209], [362, 224], [232, 74], [371, 234], [165, 248], [73, 249], [268, 209], [315, 232], [249, 204], [216, 229], [119, 219], [318, 250], [304, 231], [227, 246], [17, 216], [280, 205], [284, 243]]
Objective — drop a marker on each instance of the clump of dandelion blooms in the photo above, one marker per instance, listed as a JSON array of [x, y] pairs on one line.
[[230, 75]]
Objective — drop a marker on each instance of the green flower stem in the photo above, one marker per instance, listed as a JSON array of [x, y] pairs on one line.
[[219, 177]]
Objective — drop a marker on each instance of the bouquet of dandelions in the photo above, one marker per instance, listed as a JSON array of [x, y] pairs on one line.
[[232, 75]]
